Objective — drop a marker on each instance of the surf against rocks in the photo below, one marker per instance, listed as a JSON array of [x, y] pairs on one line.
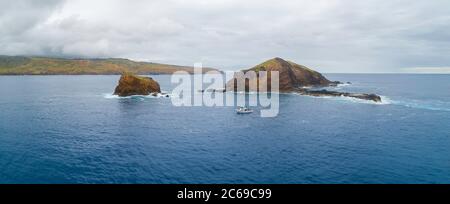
[[190, 92]]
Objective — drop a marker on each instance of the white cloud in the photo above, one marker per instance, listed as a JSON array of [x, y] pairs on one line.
[[328, 35]]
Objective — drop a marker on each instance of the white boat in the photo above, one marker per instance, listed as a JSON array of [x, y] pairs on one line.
[[243, 110]]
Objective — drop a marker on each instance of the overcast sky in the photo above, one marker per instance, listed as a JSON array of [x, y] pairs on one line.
[[326, 35]]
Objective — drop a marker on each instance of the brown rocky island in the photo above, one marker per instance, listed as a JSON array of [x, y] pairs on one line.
[[130, 85], [294, 78]]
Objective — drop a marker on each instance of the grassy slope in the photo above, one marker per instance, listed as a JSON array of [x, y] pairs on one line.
[[53, 66]]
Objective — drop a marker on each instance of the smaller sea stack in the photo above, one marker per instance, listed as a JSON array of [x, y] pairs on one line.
[[130, 85]]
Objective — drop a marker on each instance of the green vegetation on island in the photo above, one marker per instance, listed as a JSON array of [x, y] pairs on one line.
[[20, 65]]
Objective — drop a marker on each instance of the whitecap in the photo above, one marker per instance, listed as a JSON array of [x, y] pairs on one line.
[[111, 96], [159, 95], [384, 99], [417, 104], [343, 84], [424, 104]]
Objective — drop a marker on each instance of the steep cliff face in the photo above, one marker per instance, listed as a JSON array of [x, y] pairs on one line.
[[291, 76], [130, 84]]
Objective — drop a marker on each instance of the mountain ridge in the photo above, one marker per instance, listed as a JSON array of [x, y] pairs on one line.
[[30, 65]]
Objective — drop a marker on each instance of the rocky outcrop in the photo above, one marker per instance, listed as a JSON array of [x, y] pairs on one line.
[[130, 84], [324, 92], [292, 78]]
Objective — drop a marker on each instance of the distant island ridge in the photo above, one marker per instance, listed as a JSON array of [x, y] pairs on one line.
[[23, 65]]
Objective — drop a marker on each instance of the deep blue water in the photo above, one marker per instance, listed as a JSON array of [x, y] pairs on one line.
[[65, 129]]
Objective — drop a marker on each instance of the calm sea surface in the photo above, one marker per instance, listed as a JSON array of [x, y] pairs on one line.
[[68, 129]]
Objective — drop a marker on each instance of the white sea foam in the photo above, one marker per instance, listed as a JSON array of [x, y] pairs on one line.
[[159, 95], [340, 86], [423, 104], [384, 100], [417, 104], [111, 96], [343, 85]]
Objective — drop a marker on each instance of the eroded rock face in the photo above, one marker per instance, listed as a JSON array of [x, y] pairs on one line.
[[130, 84], [291, 76], [324, 92]]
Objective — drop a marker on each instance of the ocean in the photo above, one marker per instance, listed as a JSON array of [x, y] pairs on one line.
[[70, 129]]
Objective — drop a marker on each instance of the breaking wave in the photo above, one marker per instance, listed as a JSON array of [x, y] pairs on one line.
[[417, 104], [384, 99], [434, 105], [423, 104], [159, 95]]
